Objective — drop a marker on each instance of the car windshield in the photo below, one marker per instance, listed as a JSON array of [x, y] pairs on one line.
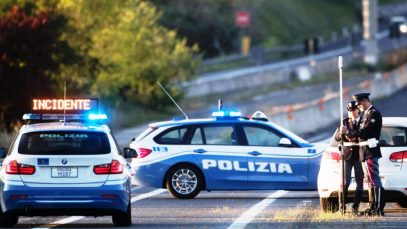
[[64, 143]]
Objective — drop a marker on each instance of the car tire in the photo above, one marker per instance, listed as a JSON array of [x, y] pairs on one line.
[[8, 220], [402, 203], [330, 204], [184, 181], [123, 219]]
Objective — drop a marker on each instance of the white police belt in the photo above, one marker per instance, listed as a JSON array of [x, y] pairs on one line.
[[371, 142]]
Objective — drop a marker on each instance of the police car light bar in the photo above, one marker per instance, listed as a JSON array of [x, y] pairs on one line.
[[32, 117], [225, 114], [68, 117]]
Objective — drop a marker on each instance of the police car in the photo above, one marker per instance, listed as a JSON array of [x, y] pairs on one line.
[[393, 168], [64, 165], [225, 152]]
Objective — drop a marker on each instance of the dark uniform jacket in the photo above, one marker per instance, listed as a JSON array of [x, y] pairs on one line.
[[370, 127], [349, 152]]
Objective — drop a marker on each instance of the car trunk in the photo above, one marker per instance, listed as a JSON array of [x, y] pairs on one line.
[[65, 169]]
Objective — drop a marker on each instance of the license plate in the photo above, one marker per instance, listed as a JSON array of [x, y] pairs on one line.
[[64, 172]]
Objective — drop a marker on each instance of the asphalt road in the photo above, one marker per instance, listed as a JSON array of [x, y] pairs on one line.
[[155, 208]]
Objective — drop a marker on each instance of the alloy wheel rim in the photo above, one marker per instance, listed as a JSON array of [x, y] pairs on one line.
[[184, 181]]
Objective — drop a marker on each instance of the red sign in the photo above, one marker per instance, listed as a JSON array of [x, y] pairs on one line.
[[242, 19]]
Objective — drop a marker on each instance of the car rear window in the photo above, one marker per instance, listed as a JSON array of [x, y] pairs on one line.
[[174, 136], [390, 136], [393, 136], [64, 143]]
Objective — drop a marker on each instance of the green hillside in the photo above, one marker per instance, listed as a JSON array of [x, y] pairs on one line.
[[210, 23]]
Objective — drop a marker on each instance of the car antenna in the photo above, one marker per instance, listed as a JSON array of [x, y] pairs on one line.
[[159, 84]]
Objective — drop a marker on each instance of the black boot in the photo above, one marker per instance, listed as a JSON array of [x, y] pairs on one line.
[[342, 206], [356, 202], [372, 203], [380, 201]]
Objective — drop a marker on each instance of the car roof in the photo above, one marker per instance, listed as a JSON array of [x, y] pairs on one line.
[[395, 121], [61, 126]]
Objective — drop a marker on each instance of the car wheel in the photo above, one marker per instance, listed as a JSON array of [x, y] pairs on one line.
[[402, 203], [329, 204], [8, 220], [184, 181], [123, 219]]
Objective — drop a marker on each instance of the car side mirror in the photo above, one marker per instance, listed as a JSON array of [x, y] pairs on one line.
[[2, 152], [285, 142], [129, 152]]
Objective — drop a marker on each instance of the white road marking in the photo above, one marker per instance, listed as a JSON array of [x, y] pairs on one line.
[[133, 199], [250, 214], [147, 195]]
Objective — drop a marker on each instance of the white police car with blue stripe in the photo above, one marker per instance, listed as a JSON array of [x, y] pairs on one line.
[[226, 152], [64, 164]]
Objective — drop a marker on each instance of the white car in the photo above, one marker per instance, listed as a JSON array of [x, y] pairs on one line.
[[70, 167], [393, 168], [226, 152]]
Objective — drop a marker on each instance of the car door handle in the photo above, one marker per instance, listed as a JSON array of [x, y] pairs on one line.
[[200, 151], [254, 153]]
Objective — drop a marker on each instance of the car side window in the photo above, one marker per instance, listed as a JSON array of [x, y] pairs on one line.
[[258, 136], [197, 138], [393, 136], [220, 135], [173, 136]]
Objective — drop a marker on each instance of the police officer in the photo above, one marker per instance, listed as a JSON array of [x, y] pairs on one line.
[[369, 151], [351, 155]]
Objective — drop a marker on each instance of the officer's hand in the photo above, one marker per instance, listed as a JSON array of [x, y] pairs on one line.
[[344, 130]]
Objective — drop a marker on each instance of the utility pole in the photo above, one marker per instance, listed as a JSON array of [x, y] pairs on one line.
[[369, 13]]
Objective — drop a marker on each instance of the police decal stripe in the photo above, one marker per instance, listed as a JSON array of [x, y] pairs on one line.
[[160, 149]]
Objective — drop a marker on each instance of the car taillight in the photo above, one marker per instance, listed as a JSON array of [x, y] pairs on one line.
[[13, 167], [143, 152], [111, 168], [116, 167], [334, 156], [398, 156]]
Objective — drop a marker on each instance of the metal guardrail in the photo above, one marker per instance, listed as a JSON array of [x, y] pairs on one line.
[[263, 68]]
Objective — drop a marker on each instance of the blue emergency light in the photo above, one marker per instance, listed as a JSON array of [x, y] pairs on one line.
[[97, 117], [226, 114]]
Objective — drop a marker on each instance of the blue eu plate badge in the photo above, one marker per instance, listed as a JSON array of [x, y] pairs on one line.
[[43, 161]]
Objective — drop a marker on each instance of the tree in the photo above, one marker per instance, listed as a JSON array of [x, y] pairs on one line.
[[209, 23], [133, 51], [30, 52]]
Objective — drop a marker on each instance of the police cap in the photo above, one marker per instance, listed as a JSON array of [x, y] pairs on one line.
[[351, 106], [360, 97]]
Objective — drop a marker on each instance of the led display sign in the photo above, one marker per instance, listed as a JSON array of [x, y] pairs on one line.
[[64, 105]]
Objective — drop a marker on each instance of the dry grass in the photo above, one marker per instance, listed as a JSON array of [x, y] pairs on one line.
[[223, 209], [315, 215]]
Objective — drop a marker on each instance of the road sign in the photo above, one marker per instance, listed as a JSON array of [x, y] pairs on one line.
[[242, 19]]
